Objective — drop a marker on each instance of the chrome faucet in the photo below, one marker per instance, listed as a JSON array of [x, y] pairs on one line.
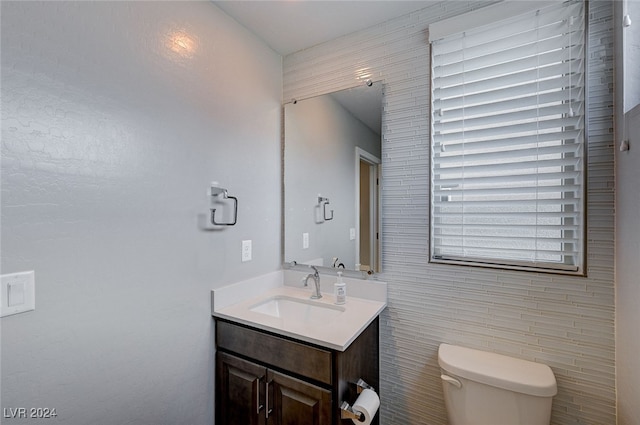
[[316, 279]]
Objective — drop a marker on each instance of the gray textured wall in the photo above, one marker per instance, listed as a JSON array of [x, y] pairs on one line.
[[627, 274], [627, 216], [112, 131], [631, 64], [565, 322]]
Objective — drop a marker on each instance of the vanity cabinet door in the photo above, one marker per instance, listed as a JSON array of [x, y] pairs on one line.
[[295, 402], [240, 395]]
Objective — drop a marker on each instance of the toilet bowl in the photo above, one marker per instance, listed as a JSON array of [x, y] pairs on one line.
[[482, 388]]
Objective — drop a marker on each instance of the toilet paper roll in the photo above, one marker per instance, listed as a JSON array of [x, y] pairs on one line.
[[367, 403]]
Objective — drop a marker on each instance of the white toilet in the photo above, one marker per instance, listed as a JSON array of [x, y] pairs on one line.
[[482, 388]]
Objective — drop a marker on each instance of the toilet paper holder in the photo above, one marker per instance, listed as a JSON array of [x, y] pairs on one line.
[[346, 411]]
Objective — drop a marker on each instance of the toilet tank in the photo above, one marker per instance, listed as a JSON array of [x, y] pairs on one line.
[[482, 388]]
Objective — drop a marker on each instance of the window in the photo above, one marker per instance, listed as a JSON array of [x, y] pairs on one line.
[[507, 138]]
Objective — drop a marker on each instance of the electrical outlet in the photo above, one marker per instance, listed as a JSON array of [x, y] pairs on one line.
[[305, 241], [246, 251]]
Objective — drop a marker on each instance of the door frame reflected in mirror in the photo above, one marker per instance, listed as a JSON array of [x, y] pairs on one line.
[[367, 211]]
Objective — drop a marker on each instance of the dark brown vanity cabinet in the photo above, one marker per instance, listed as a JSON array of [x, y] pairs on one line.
[[266, 379], [239, 391], [254, 395]]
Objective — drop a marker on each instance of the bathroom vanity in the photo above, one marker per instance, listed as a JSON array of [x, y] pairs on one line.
[[283, 359], [263, 378]]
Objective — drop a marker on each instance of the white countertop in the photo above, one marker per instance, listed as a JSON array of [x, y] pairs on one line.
[[235, 301]]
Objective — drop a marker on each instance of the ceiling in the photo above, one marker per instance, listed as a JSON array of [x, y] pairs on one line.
[[365, 103], [292, 25]]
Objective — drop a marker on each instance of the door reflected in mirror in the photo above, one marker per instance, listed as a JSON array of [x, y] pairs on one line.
[[332, 169]]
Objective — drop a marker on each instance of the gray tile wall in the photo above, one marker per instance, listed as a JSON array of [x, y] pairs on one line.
[[565, 322]]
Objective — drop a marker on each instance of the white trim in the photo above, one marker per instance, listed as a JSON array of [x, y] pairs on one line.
[[484, 16], [361, 154]]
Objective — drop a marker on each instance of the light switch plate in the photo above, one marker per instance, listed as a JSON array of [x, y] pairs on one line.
[[352, 234], [17, 293], [305, 241]]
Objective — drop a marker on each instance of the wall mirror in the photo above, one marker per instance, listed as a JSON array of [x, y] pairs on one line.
[[332, 169]]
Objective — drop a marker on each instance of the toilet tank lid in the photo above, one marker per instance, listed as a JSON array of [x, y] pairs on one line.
[[499, 371]]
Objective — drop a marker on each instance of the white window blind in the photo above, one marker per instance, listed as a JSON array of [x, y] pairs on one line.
[[507, 159]]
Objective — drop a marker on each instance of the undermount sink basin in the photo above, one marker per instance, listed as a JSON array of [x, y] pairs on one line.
[[297, 309]]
